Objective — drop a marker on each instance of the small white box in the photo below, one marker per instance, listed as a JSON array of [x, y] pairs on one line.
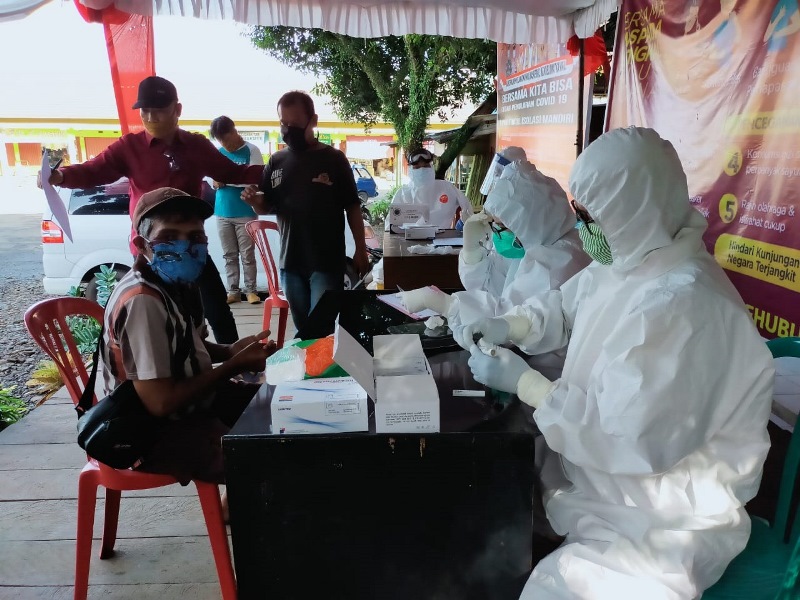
[[324, 405], [420, 232], [398, 378], [402, 214]]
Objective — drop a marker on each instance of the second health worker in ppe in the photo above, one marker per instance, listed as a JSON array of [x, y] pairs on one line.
[[536, 220], [660, 415], [441, 197]]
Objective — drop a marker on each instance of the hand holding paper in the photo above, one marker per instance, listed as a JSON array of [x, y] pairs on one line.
[[53, 199]]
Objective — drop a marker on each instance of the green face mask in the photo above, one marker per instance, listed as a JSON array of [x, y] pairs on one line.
[[595, 243], [506, 244]]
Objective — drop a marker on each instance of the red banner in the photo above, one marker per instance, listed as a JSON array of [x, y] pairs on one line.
[[720, 80], [537, 105], [131, 56]]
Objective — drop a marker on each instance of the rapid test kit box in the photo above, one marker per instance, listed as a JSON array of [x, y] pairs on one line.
[[324, 405], [398, 378]]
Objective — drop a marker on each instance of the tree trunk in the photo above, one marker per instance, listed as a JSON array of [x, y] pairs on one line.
[[454, 148]]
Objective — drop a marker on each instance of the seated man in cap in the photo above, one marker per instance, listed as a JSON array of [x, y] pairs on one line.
[[441, 197], [166, 155], [154, 336]]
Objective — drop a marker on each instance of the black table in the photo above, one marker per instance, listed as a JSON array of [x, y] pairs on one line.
[[367, 515]]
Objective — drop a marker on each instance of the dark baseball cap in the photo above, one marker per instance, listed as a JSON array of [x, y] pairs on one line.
[[155, 92], [162, 197]]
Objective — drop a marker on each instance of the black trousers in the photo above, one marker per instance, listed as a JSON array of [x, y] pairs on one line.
[[215, 305]]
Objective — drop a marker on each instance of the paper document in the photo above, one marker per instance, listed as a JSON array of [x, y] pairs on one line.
[[449, 241], [54, 201], [394, 301]]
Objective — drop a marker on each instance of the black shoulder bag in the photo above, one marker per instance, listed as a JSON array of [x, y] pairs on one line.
[[118, 430]]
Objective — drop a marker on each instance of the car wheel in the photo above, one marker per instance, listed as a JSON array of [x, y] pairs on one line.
[[363, 196], [91, 287], [350, 275]]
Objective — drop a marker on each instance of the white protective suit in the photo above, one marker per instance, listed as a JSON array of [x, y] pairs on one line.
[[441, 197], [536, 209], [660, 415]]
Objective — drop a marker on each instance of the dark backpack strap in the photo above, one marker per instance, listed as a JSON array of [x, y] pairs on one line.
[[85, 403]]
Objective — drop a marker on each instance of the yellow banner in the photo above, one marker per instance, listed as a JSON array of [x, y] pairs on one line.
[[768, 262]]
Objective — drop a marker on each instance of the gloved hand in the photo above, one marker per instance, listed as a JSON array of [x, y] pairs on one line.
[[508, 372], [476, 232], [427, 297], [500, 372], [493, 331]]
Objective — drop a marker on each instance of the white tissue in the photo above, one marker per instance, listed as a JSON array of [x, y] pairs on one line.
[[434, 322], [431, 249]]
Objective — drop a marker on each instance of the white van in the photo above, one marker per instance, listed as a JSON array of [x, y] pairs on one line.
[[101, 225]]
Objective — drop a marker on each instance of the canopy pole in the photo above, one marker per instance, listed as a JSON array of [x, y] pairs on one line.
[[581, 107]]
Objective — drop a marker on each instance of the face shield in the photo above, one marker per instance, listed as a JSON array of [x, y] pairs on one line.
[[499, 162]]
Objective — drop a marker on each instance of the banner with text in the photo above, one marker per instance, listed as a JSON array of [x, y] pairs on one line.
[[537, 108], [720, 81]]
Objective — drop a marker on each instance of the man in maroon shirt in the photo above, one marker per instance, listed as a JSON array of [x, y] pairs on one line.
[[166, 156]]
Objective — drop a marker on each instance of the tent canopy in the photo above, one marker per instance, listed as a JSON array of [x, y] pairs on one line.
[[507, 21]]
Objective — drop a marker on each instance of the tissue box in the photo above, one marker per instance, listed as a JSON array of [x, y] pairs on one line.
[[420, 232], [324, 405], [400, 214], [398, 378]]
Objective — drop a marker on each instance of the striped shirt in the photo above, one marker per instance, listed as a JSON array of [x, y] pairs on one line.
[[153, 331]]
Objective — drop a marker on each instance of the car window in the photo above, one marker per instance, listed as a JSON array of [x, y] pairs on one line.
[[111, 199], [361, 172]]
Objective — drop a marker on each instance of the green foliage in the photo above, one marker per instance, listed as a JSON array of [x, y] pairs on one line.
[[86, 330], [12, 409], [380, 208], [401, 79], [106, 280]]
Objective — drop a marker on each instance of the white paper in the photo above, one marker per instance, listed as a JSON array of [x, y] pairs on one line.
[[54, 201], [394, 301]]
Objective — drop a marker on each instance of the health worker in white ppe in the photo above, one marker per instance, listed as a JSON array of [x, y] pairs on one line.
[[528, 212], [493, 268], [660, 416], [441, 197]]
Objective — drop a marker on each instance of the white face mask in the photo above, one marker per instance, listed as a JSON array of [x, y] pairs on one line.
[[420, 177]]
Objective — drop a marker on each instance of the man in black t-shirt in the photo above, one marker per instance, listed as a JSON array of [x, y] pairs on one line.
[[310, 187]]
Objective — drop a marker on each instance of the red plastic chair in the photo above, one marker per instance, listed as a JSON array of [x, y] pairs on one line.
[[46, 323], [258, 231]]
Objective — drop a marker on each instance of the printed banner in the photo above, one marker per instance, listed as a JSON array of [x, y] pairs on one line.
[[720, 80], [537, 108]]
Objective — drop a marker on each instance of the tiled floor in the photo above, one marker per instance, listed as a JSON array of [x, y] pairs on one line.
[[162, 548]]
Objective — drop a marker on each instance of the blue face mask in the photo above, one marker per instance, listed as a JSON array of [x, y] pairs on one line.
[[179, 262]]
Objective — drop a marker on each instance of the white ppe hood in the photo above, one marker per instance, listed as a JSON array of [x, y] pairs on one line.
[[660, 414], [536, 209]]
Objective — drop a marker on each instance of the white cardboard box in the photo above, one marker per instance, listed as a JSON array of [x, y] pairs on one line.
[[420, 232], [398, 378], [324, 405]]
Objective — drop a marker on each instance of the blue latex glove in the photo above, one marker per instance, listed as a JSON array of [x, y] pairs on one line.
[[493, 331], [500, 372]]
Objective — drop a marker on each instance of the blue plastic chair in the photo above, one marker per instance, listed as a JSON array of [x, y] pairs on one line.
[[767, 569]]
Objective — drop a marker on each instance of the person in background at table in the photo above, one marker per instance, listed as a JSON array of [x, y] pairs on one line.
[[153, 335], [166, 155], [524, 243], [440, 196], [233, 213], [310, 187], [659, 420]]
